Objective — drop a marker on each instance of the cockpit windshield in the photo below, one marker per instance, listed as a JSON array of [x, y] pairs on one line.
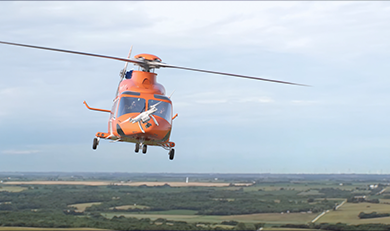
[[131, 105], [163, 109]]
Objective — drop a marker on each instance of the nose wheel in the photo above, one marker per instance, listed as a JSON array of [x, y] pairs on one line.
[[171, 154], [136, 147]]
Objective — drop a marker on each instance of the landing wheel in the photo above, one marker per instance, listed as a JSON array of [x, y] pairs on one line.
[[136, 147], [95, 143], [171, 154], [144, 148]]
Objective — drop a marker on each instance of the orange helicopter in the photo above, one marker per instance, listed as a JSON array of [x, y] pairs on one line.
[[141, 112]]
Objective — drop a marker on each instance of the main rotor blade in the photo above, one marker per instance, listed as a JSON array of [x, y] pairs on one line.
[[153, 64], [76, 52], [229, 74]]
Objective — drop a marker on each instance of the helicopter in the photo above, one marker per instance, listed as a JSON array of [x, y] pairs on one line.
[[141, 112]]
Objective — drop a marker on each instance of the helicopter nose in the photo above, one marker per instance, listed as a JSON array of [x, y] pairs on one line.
[[148, 129]]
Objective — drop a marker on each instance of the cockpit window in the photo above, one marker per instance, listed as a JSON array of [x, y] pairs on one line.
[[131, 105], [163, 109]]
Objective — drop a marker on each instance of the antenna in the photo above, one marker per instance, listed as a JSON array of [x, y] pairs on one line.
[[123, 72], [172, 93]]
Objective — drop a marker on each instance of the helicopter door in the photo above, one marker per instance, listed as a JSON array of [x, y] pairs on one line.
[[112, 115], [113, 110]]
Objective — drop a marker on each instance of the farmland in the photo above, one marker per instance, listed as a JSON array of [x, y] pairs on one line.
[[349, 212], [12, 188], [82, 206], [190, 216], [102, 183], [166, 201]]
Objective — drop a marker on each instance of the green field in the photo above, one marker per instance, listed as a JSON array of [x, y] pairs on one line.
[[126, 207], [310, 193], [348, 213], [46, 229], [286, 229], [299, 187], [173, 212], [12, 188], [189, 216], [82, 206]]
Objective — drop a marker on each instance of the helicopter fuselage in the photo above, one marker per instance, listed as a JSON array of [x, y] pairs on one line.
[[141, 113]]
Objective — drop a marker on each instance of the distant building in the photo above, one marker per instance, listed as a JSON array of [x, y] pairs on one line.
[[357, 199], [373, 186]]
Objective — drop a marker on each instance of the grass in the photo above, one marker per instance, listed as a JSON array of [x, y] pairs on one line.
[[189, 216], [174, 212], [297, 187], [223, 226], [12, 188], [46, 229], [102, 183], [348, 213], [126, 207], [227, 199], [82, 206], [286, 229], [310, 193], [364, 192], [91, 183]]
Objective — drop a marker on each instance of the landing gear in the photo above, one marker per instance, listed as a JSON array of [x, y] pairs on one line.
[[95, 143], [171, 154], [144, 148]]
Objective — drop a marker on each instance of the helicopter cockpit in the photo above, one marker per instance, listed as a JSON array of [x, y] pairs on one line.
[[129, 104]]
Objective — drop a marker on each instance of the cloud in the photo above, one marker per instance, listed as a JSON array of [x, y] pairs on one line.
[[303, 102], [255, 100], [211, 101], [19, 152], [345, 29]]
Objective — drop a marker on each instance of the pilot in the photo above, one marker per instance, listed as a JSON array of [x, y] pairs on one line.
[[161, 111], [129, 105], [137, 105]]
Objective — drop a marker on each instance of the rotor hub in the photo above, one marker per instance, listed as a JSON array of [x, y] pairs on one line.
[[149, 61], [148, 57]]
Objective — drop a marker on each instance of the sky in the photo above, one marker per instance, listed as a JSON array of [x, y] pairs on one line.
[[339, 124]]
